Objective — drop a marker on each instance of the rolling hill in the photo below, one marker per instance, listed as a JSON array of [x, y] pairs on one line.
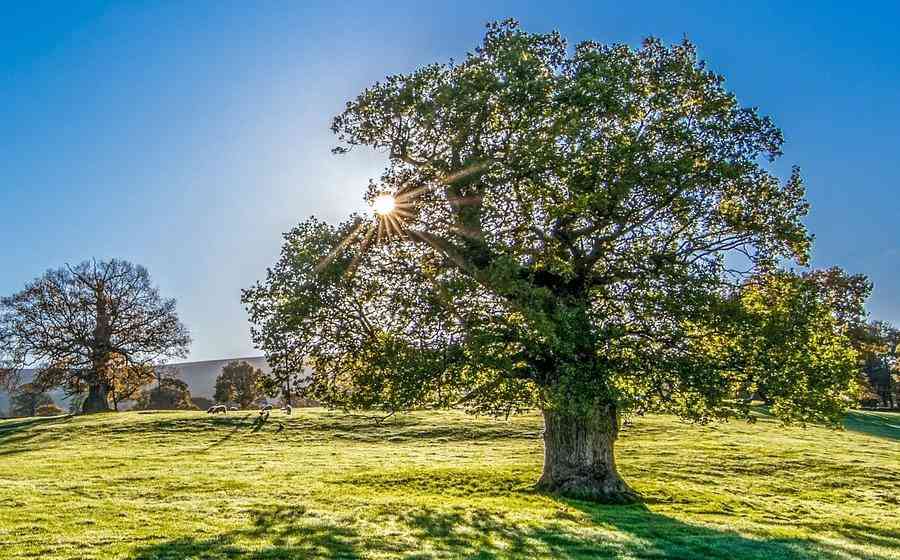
[[436, 485]]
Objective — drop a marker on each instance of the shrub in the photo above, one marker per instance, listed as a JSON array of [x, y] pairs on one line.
[[49, 410], [171, 394], [240, 383]]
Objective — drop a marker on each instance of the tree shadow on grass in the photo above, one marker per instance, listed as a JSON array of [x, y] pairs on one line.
[[871, 535], [879, 424], [328, 428], [606, 532], [579, 531], [665, 537], [466, 531], [277, 534], [21, 436], [187, 428], [236, 423], [883, 424]]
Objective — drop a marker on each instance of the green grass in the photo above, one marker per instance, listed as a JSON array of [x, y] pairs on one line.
[[159, 486]]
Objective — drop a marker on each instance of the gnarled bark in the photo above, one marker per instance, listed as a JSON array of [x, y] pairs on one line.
[[579, 460], [97, 399]]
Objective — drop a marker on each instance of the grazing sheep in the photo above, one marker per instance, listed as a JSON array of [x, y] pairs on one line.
[[216, 409], [233, 408]]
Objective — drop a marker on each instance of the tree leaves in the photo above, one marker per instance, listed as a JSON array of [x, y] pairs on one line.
[[569, 230]]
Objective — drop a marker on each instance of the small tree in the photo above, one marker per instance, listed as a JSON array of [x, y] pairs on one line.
[[788, 323], [240, 382], [74, 323], [876, 342], [170, 394], [27, 399]]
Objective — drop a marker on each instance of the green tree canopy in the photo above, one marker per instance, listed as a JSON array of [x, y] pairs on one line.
[[571, 230], [169, 394], [790, 324], [241, 383]]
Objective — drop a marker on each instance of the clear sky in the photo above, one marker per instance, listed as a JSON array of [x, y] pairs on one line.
[[188, 136]]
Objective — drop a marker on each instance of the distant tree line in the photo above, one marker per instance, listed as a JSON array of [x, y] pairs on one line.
[[879, 347]]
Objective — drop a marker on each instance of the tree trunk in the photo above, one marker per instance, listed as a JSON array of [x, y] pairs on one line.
[[287, 392], [97, 399], [578, 456]]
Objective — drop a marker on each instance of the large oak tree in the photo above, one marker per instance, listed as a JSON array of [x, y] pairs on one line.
[[590, 232], [80, 325]]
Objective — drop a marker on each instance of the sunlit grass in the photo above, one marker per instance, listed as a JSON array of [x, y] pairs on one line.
[[436, 485]]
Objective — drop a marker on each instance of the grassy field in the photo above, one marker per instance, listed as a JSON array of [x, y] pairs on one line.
[[324, 484]]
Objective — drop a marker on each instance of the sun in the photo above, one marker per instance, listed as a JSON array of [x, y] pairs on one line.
[[384, 204]]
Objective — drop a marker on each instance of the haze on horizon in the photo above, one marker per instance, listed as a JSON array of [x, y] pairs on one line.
[[189, 138]]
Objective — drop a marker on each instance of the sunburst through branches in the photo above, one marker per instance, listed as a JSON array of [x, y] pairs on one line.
[[384, 204], [391, 212]]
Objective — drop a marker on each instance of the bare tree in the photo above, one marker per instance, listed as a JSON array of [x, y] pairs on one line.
[[76, 325]]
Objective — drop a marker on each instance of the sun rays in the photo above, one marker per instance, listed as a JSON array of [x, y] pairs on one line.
[[391, 212], [384, 204]]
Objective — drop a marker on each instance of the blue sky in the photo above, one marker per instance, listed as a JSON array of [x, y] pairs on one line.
[[188, 136]]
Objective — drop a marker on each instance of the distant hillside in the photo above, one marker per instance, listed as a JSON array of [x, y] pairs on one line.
[[200, 377]]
